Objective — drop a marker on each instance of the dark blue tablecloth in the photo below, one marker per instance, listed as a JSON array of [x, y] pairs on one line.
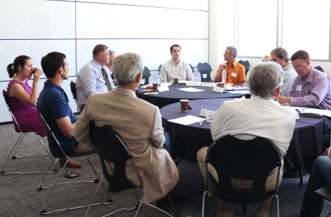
[[187, 140], [174, 95]]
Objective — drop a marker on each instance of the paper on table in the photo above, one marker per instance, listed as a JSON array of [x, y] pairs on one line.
[[187, 120], [239, 92], [208, 84], [190, 89], [304, 111], [163, 87], [193, 83]]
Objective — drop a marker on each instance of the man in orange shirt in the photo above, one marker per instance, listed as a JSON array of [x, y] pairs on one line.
[[234, 72]]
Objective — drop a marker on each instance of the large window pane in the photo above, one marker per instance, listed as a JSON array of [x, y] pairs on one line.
[[306, 26], [257, 24]]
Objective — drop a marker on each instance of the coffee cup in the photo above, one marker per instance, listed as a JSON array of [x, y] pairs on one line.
[[175, 81], [155, 86], [184, 104]]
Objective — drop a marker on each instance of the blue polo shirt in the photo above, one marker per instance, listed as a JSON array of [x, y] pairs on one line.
[[53, 104]]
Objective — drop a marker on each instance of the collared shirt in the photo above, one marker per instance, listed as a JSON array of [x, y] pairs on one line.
[[258, 117], [315, 92], [90, 81], [54, 104], [171, 70], [288, 75], [235, 73]]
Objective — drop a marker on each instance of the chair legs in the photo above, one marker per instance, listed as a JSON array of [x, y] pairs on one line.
[[13, 152], [56, 182], [204, 202]]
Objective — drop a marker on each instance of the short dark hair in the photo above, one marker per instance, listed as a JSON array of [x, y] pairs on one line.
[[52, 62], [280, 53], [99, 49], [300, 54], [174, 45], [12, 68]]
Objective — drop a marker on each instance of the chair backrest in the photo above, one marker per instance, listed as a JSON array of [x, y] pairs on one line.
[[244, 159], [16, 125], [73, 89], [246, 64], [111, 147], [204, 70], [53, 143], [319, 68], [159, 69], [146, 75]]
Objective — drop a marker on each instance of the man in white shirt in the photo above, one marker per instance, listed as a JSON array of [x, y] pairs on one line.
[[175, 68], [94, 77], [260, 116], [280, 56]]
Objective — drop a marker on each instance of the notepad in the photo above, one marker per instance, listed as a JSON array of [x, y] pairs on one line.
[[187, 120]]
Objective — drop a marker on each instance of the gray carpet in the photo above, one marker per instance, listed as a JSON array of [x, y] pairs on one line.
[[19, 195]]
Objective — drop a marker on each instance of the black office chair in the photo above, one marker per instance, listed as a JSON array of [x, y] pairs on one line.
[[58, 152], [74, 94], [325, 192], [145, 76], [204, 70], [159, 69], [319, 68], [246, 64], [111, 147], [243, 159], [19, 141]]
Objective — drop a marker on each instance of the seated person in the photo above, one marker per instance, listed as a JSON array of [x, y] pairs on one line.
[[94, 77], [138, 123], [311, 88], [176, 68], [54, 106], [258, 116], [22, 98], [234, 72], [320, 176], [112, 56], [280, 56]]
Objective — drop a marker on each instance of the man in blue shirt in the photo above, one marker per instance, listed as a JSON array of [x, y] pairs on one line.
[[53, 104], [94, 77]]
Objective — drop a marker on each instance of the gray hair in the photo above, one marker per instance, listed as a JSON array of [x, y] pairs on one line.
[[281, 53], [126, 67], [264, 79], [233, 50]]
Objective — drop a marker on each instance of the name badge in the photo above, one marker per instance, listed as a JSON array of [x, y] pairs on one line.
[[299, 87], [234, 74]]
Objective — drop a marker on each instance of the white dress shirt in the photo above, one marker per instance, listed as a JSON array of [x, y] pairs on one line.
[[90, 81], [171, 70], [258, 117], [288, 76]]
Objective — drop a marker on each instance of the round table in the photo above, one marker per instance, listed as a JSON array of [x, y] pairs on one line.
[[174, 95], [186, 140]]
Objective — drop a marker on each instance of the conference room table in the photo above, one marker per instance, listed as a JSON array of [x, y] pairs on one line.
[[186, 140], [174, 94]]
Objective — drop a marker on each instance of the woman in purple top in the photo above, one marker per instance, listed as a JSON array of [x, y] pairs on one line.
[[21, 97]]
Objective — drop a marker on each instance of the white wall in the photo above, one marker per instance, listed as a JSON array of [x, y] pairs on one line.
[[147, 27]]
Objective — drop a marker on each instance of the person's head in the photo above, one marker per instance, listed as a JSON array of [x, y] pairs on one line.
[[280, 56], [265, 80], [175, 51], [301, 63], [112, 56], [230, 54], [127, 69], [53, 63], [101, 54], [22, 64]]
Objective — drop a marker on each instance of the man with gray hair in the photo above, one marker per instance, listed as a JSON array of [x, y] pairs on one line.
[[94, 77], [138, 123], [280, 56], [260, 116], [230, 72]]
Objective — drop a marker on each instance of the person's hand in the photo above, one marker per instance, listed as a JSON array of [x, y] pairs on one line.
[[266, 58], [36, 74], [223, 66], [326, 152], [283, 99]]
